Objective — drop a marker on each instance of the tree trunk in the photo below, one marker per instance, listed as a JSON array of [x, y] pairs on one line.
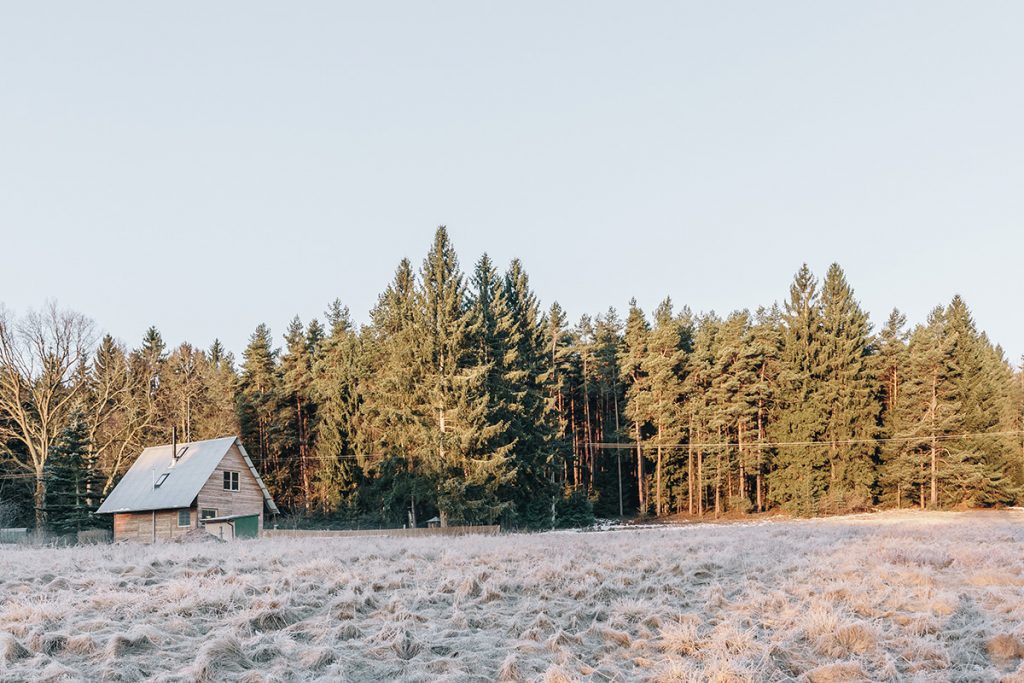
[[718, 476], [700, 479], [934, 449], [743, 472], [658, 475], [760, 450], [303, 468], [640, 474], [39, 500], [689, 465], [618, 453]]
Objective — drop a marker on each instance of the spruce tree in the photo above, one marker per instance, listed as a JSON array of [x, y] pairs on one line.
[[466, 471], [699, 407], [558, 360], [845, 393], [74, 481], [337, 375], [392, 446], [733, 415], [631, 368], [533, 436], [766, 340], [217, 414], [611, 481], [801, 476], [663, 365], [890, 370], [297, 384], [927, 411], [259, 406]]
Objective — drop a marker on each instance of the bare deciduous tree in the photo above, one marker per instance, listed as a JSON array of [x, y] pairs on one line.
[[39, 356]]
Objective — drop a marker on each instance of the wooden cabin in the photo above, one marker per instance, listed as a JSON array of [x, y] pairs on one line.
[[172, 489]]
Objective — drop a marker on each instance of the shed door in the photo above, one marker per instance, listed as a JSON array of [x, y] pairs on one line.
[[247, 527]]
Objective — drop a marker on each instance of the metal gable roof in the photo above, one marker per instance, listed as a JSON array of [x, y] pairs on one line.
[[137, 492]]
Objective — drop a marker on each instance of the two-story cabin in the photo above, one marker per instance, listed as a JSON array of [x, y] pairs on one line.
[[170, 490]]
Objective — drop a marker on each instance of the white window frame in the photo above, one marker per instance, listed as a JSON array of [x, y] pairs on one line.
[[202, 510], [232, 481], [187, 511]]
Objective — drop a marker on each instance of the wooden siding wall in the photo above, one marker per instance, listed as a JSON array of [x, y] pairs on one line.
[[138, 526], [247, 500]]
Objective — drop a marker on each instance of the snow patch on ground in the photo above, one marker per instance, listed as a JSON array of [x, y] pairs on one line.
[[894, 596]]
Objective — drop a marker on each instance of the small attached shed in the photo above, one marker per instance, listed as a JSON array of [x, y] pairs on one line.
[[170, 490]]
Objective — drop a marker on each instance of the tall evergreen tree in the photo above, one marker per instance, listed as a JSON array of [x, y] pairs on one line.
[[297, 388], [259, 405], [467, 472], [75, 483], [801, 476], [631, 368], [532, 435], [845, 393], [338, 372], [663, 365]]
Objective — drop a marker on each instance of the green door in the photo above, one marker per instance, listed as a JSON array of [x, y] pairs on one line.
[[247, 527]]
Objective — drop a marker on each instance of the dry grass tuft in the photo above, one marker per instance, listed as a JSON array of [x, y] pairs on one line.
[[555, 674], [11, 650], [120, 644], [509, 671], [1005, 649], [839, 672], [681, 638], [405, 646], [48, 643], [221, 655]]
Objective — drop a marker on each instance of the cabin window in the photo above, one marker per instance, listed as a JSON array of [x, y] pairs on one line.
[[185, 517], [207, 513], [161, 480], [231, 481]]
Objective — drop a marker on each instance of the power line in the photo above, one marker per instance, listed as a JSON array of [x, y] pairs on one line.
[[711, 444], [776, 444]]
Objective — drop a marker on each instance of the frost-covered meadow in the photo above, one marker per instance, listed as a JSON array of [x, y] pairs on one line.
[[895, 596]]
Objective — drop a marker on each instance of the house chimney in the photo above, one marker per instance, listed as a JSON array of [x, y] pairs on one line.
[[174, 443]]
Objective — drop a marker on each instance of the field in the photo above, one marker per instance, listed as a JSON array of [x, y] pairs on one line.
[[894, 596]]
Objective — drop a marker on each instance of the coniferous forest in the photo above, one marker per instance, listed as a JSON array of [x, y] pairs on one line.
[[463, 398]]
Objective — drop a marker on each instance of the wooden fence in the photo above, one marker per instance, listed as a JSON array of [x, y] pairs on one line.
[[405, 533]]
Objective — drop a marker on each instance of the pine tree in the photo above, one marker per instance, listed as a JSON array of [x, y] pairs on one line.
[[631, 368], [611, 428], [337, 376], [699, 407], [978, 467], [927, 410], [297, 385], [558, 385], [74, 482], [532, 435], [259, 404], [801, 476], [493, 354], [392, 445], [121, 408], [217, 414], [663, 366], [890, 363], [766, 340], [845, 393], [466, 472], [734, 411]]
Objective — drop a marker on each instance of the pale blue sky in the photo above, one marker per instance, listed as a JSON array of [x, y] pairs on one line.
[[208, 166]]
